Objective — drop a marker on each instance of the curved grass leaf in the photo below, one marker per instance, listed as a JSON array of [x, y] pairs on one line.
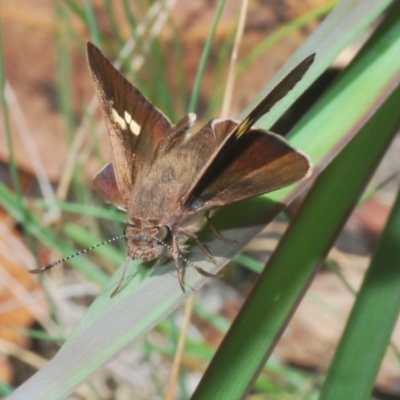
[[301, 251], [370, 325]]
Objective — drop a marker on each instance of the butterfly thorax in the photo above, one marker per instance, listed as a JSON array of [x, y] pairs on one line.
[[155, 204], [158, 190]]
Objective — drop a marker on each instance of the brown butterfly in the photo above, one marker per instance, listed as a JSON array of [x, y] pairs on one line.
[[168, 178]]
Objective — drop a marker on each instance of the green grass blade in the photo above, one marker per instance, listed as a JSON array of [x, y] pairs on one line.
[[333, 35], [276, 294], [365, 340], [298, 23], [91, 23], [204, 58], [5, 389], [363, 345], [130, 16], [64, 73], [33, 226], [109, 6], [7, 129], [324, 212], [76, 10]]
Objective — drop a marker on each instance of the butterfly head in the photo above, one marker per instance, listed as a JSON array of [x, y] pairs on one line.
[[146, 243]]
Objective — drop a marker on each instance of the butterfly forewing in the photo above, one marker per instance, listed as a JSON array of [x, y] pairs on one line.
[[276, 94], [135, 125]]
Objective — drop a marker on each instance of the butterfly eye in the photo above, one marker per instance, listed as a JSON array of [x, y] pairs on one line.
[[163, 232], [128, 227]]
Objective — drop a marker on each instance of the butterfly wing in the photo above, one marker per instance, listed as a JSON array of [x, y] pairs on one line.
[[258, 162], [135, 125], [240, 164], [106, 185]]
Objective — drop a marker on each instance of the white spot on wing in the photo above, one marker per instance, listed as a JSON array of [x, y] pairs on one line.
[[128, 117], [118, 119], [134, 127], [192, 119]]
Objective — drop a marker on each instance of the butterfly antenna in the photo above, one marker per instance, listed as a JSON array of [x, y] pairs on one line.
[[54, 263]]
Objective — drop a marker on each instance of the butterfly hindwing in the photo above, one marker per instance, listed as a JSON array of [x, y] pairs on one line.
[[106, 185], [223, 158], [258, 163]]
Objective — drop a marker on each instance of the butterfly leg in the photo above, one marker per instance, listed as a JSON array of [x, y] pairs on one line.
[[215, 232], [202, 247], [175, 255], [121, 279], [208, 254]]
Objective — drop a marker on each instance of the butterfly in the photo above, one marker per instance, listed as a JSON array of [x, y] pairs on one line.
[[168, 177]]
